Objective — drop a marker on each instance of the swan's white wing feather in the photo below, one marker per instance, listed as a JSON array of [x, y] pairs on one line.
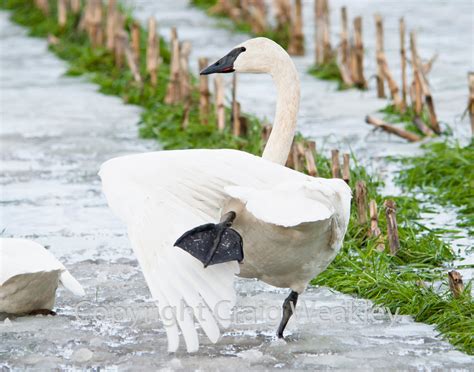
[[339, 196], [179, 282], [287, 204]]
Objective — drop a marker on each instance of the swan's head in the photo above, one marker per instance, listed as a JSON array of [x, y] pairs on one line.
[[258, 55]]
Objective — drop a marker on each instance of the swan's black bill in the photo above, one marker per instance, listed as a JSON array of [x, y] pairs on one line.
[[213, 243], [225, 64]]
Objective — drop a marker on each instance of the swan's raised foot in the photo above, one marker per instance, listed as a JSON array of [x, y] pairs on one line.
[[213, 243], [288, 308]]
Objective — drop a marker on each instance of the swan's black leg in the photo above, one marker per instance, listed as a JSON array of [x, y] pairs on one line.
[[288, 307], [213, 243], [226, 221]]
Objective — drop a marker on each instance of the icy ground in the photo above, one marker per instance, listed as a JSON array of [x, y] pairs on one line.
[[55, 132]]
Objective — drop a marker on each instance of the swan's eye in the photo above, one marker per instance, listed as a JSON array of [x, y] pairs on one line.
[[243, 49]]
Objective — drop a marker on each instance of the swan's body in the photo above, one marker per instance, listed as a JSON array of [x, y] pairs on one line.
[[29, 277], [292, 225]]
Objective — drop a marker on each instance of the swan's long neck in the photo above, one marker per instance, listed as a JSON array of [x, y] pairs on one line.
[[287, 84]]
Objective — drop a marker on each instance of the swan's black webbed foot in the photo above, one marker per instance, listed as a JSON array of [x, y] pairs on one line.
[[288, 307], [213, 243]]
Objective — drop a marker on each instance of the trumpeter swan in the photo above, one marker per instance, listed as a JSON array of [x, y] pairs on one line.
[[290, 225], [29, 277]]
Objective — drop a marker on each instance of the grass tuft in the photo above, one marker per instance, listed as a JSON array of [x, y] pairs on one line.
[[393, 115], [328, 71]]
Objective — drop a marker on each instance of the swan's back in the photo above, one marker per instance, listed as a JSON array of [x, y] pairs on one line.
[[21, 256], [26, 257]]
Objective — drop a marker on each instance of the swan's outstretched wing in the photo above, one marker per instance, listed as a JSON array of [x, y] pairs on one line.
[[162, 195], [159, 197]]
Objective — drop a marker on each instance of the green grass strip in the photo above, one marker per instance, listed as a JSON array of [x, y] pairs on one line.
[[445, 173], [405, 283]]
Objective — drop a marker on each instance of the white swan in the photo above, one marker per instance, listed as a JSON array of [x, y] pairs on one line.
[[29, 277], [292, 225]]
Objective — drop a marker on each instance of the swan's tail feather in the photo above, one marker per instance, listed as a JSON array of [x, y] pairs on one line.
[[70, 283]]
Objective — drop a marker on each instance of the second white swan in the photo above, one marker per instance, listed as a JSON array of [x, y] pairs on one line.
[[196, 218]]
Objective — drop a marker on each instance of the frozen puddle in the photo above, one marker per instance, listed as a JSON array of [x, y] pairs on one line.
[[55, 132]]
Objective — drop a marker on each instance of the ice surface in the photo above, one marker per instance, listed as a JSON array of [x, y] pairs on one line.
[[55, 132]]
